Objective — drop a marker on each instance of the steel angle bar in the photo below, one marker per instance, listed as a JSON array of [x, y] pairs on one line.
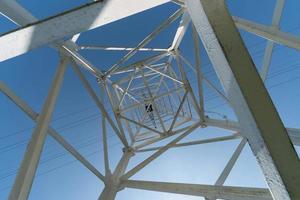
[[146, 40], [88, 47], [98, 103], [23, 182], [141, 165], [259, 120], [196, 142], [210, 191], [86, 17], [33, 115]]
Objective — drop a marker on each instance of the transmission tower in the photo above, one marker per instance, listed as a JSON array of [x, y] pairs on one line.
[[153, 98]]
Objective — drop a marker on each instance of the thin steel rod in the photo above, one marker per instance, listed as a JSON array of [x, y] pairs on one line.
[[225, 173], [115, 110], [147, 61], [127, 88], [126, 93], [197, 142], [187, 84], [104, 137], [209, 83], [34, 115], [199, 72], [129, 129], [98, 103], [270, 44], [165, 75], [158, 153], [181, 30], [178, 110], [88, 47], [162, 137], [157, 97], [146, 40], [140, 124], [153, 103]]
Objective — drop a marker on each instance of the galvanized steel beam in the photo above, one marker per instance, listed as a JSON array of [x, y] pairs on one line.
[[260, 122]]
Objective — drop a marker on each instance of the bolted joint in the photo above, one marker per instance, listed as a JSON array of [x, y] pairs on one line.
[[108, 178], [167, 133], [186, 86], [129, 150], [101, 79], [117, 112], [175, 52], [172, 51], [138, 66]]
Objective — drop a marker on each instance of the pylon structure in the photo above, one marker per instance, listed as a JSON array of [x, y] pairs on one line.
[[152, 99]]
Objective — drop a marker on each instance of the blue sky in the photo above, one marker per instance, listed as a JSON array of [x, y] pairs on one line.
[[77, 118]]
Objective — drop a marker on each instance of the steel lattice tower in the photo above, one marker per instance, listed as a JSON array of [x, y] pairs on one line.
[[152, 99]]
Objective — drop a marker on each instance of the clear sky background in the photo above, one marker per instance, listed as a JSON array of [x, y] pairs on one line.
[[76, 117]]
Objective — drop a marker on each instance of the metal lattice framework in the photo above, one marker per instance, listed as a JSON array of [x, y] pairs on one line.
[[152, 99]]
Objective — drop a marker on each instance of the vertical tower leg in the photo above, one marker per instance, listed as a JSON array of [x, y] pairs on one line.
[[258, 117], [108, 193], [112, 185]]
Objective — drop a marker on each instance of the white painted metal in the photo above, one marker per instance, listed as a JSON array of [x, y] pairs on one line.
[[198, 71], [129, 129], [113, 185], [85, 18], [99, 103], [34, 116], [181, 30], [165, 75], [208, 82], [206, 141], [161, 81], [187, 84], [14, 12], [259, 119], [152, 140], [178, 111], [145, 41], [147, 61], [104, 137], [228, 168], [151, 99], [141, 125], [158, 153], [231, 162], [21, 17], [294, 133], [269, 48], [118, 48], [24, 179], [210, 191], [268, 33]]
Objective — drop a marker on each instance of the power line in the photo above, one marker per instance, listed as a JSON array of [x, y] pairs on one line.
[[70, 162], [270, 87], [62, 165], [23, 142]]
